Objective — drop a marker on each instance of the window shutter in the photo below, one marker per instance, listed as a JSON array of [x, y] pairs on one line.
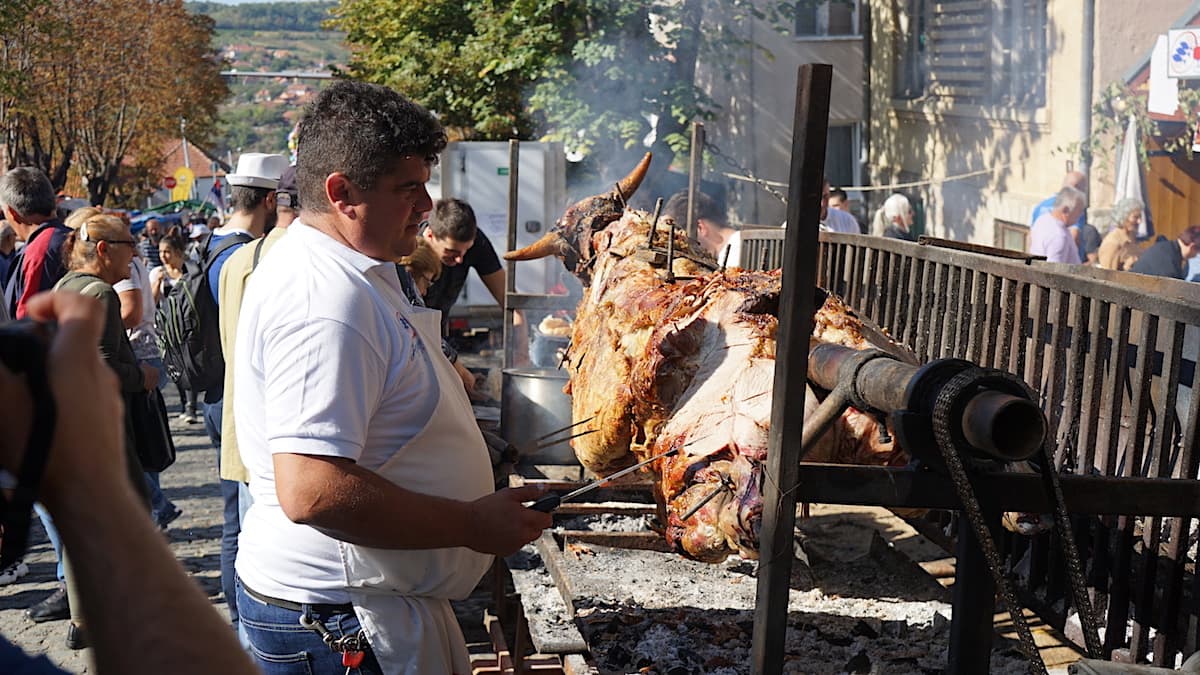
[[960, 49]]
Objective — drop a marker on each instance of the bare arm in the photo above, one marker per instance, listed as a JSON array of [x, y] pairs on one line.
[[495, 285], [131, 308], [126, 574], [358, 506]]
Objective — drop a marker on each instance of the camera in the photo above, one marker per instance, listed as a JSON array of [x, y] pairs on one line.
[[24, 346]]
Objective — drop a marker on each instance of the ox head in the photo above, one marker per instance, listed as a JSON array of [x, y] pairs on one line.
[[571, 237]]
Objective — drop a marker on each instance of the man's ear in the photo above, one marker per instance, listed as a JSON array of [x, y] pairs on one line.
[[341, 193]]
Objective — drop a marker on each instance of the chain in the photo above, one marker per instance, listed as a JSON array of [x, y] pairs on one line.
[[763, 183], [974, 513]]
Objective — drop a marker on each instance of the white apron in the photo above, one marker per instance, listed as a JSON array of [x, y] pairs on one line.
[[401, 597]]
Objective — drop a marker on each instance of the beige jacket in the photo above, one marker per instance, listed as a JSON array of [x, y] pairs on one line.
[[234, 275], [1118, 250]]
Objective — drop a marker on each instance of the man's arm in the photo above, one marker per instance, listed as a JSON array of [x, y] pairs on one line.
[[495, 285], [125, 573], [356, 505], [131, 307], [316, 429]]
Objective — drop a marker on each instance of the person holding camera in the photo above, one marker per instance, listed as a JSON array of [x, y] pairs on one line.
[[144, 614]]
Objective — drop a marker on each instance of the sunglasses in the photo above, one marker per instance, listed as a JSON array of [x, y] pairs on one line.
[[128, 242]]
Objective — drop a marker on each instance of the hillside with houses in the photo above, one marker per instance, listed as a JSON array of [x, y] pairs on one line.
[[269, 37]]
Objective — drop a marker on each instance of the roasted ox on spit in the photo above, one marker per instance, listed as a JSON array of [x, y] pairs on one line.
[[684, 360]]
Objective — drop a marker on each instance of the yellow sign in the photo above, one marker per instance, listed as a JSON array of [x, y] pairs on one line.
[[184, 177]]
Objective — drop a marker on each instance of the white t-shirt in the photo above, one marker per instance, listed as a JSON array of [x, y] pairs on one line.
[[837, 220], [325, 365], [143, 337]]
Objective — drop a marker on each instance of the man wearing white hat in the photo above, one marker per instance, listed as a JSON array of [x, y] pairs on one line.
[[252, 197]]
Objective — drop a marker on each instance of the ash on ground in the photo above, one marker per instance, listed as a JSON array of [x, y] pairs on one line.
[[857, 607]]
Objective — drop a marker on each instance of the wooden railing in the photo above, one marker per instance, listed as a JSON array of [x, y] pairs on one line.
[[1113, 356]]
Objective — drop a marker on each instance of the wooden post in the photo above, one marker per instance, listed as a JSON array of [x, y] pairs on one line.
[[510, 276], [776, 542], [695, 169]]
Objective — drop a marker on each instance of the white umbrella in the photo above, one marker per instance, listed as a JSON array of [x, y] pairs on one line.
[[1131, 184]]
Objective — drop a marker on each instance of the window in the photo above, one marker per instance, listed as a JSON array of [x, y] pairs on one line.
[[975, 51], [1012, 236], [821, 18], [841, 155]]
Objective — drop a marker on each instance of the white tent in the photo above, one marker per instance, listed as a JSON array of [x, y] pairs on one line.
[[1131, 183]]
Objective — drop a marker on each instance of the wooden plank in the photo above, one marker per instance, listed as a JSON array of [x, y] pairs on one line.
[[552, 559], [959, 61], [963, 19], [941, 288], [979, 325], [1055, 361], [973, 34], [1159, 456], [776, 544], [1173, 637], [1093, 376], [1114, 390], [992, 354], [1073, 390], [962, 6], [924, 311]]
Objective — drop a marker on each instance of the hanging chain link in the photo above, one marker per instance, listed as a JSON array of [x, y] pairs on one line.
[[717, 152]]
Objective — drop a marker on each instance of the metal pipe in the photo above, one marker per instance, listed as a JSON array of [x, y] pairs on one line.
[[1088, 50], [999, 425], [1006, 427], [823, 417]]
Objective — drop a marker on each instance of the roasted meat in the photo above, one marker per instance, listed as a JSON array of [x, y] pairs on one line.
[[686, 361]]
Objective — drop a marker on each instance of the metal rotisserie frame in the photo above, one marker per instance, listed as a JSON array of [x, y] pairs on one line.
[[1113, 356]]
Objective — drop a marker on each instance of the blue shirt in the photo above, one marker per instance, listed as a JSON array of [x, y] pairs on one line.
[[214, 272]]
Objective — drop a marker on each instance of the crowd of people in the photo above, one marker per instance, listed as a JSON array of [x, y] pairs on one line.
[[356, 485], [1059, 231]]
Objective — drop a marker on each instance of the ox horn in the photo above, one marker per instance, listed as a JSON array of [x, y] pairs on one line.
[[551, 243], [629, 184]]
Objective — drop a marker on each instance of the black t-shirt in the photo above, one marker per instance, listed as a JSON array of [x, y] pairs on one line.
[[444, 292]]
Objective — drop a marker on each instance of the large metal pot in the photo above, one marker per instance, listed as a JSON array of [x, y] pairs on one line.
[[532, 404]]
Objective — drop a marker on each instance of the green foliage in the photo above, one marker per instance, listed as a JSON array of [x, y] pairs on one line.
[[1110, 117], [599, 75], [290, 16]]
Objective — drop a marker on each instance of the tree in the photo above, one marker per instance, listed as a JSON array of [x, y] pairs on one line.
[[108, 83], [599, 75]]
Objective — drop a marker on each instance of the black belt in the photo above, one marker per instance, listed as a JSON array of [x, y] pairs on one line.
[[319, 608]]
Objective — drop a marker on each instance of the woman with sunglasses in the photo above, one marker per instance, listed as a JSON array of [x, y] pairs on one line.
[[98, 256]]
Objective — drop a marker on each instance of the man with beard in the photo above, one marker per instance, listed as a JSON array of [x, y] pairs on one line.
[[253, 198]]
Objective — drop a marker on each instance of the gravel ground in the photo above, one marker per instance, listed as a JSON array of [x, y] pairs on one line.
[[195, 538]]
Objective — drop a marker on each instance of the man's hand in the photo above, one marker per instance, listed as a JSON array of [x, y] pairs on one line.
[[502, 524], [149, 377], [85, 390]]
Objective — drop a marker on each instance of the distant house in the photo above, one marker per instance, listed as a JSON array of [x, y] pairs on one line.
[[206, 168], [297, 94], [983, 98], [754, 127]]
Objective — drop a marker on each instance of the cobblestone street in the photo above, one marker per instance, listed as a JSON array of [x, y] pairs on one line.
[[195, 538]]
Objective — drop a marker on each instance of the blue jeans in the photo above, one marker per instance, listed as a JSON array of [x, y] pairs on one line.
[[52, 534], [281, 646], [231, 525]]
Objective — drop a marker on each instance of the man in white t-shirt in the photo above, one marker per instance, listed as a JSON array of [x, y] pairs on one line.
[[372, 490], [836, 220]]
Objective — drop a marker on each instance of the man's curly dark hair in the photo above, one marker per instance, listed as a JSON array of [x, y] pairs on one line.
[[361, 130]]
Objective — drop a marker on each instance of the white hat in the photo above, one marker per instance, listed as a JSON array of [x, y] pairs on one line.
[[260, 170], [198, 230]]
